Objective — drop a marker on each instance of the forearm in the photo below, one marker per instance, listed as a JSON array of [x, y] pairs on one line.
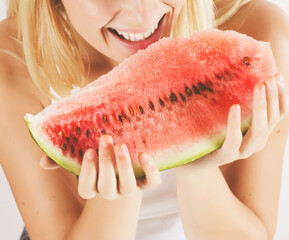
[[108, 220], [209, 210]]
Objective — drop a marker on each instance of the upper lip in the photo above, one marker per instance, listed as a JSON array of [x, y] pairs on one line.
[[137, 30]]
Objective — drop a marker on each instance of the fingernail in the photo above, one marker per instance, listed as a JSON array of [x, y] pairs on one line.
[[106, 141], [237, 110], [281, 80], [90, 155], [120, 150], [144, 157], [261, 91]]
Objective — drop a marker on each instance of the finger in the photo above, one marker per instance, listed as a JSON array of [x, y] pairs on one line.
[[152, 175], [234, 135], [88, 175], [47, 163], [273, 113], [283, 91], [127, 181], [106, 183], [257, 133]]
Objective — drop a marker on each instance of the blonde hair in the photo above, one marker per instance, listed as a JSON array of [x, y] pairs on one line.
[[52, 47]]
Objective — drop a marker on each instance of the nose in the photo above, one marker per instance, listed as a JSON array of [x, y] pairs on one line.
[[140, 12]]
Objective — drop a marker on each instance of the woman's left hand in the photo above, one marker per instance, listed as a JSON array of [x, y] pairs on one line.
[[270, 105]]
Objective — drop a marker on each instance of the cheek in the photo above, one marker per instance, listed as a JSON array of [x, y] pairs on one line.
[[86, 16]]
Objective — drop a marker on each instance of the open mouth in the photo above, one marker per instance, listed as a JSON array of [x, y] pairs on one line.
[[134, 37]]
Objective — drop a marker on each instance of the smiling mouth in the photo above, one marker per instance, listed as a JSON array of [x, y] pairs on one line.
[[134, 37]]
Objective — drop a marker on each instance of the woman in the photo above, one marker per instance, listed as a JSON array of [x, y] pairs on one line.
[[70, 43]]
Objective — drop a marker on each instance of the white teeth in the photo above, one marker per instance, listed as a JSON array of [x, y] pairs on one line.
[[147, 34], [132, 36], [138, 36]]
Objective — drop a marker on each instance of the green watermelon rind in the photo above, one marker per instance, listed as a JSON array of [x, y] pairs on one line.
[[183, 158]]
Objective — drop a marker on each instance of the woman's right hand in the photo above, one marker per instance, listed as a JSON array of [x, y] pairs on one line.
[[97, 177]]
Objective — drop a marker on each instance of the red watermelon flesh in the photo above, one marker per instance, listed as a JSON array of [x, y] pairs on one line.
[[170, 100]]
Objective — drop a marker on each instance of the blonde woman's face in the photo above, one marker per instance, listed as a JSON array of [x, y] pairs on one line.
[[118, 28]]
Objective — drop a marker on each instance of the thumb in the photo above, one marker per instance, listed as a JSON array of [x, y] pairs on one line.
[[47, 163]]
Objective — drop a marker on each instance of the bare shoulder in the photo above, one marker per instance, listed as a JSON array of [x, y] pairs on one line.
[[38, 193], [18, 95], [260, 19], [14, 74], [17, 89], [9, 66], [266, 21]]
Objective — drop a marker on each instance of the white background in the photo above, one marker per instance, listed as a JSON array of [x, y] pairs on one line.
[[11, 223]]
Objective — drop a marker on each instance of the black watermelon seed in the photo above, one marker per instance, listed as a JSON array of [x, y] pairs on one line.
[[141, 109], [78, 130], [210, 89], [75, 139], [196, 90], [119, 118], [144, 142], [173, 98], [220, 77], [151, 105], [102, 131], [161, 102], [64, 147], [104, 118], [202, 86], [67, 139], [72, 148], [228, 75], [182, 97], [126, 117], [131, 111], [80, 153], [87, 133], [209, 83], [246, 61], [189, 91]]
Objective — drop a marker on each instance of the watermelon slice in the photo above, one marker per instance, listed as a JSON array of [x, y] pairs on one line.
[[171, 100]]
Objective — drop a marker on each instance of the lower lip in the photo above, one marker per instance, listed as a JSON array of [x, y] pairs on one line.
[[138, 45]]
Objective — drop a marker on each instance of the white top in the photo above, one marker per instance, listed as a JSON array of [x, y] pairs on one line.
[[159, 217]]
